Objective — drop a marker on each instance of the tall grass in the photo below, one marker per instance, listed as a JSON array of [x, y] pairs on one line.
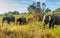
[[31, 30]]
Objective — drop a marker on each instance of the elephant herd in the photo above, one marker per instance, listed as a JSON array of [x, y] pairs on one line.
[[9, 19], [53, 19]]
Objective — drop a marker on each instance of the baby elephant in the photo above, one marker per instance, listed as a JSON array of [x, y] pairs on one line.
[[21, 20], [52, 20]]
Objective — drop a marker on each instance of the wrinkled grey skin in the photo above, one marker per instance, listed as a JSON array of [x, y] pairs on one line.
[[55, 20]]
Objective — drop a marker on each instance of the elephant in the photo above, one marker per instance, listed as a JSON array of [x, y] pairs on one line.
[[21, 20], [53, 19], [8, 19]]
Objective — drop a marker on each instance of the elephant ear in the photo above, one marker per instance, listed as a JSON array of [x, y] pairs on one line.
[[49, 18]]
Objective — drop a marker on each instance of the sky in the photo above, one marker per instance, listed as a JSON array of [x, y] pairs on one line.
[[22, 5]]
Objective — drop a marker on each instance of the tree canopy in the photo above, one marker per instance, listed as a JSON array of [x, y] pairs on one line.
[[47, 10], [57, 10]]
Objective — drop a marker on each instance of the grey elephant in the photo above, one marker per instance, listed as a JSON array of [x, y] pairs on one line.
[[53, 19], [21, 20], [8, 19]]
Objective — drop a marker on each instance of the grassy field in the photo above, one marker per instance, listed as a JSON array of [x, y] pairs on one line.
[[30, 30]]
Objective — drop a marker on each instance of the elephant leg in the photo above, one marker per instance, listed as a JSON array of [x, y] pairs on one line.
[[2, 23], [23, 22], [53, 22], [50, 25], [20, 23], [8, 22], [44, 24]]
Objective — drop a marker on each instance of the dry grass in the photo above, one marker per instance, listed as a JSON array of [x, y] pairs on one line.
[[31, 30]]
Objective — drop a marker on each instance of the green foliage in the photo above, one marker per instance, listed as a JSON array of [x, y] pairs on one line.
[[0, 14], [15, 12], [43, 6], [11, 13], [47, 10], [29, 13], [31, 7], [57, 10], [5, 14], [38, 4]]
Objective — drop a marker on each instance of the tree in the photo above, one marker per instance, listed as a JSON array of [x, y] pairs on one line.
[[9, 13], [47, 10], [5, 14], [38, 5], [31, 8], [43, 6], [35, 7], [15, 12], [57, 10]]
